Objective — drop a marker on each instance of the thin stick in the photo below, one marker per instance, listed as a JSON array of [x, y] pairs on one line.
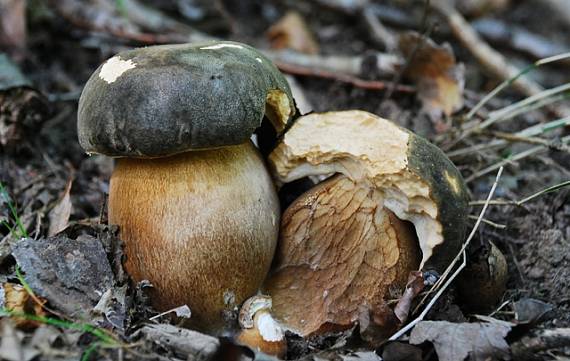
[[531, 131], [508, 82], [485, 54], [514, 158], [462, 254], [343, 78], [491, 223]]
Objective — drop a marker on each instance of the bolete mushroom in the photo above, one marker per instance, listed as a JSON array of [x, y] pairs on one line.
[[197, 209], [397, 204]]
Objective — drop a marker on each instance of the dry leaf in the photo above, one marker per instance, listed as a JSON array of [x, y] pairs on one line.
[[19, 301], [440, 80], [339, 251], [455, 341], [59, 215], [292, 32]]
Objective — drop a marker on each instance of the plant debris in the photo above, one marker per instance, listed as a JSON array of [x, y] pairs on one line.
[[455, 341]]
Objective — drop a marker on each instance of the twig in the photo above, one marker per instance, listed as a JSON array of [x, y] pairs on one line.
[[552, 144], [460, 254], [349, 65], [506, 111], [531, 131], [344, 78], [378, 31], [491, 223], [514, 158], [487, 56], [510, 80]]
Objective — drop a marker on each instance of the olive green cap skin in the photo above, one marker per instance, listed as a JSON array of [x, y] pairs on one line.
[[168, 99], [448, 191]]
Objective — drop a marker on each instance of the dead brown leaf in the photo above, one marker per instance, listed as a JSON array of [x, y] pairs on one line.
[[19, 301], [292, 32], [59, 215], [339, 252], [456, 341], [439, 78]]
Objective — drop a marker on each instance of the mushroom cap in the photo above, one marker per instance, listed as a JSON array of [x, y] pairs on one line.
[[162, 100], [417, 181]]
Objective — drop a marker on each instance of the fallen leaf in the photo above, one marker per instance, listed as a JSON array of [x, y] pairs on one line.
[[71, 274], [188, 344], [292, 32], [530, 311], [19, 301], [339, 252], [456, 341], [439, 78], [59, 215]]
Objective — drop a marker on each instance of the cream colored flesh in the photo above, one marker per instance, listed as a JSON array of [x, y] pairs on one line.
[[369, 150]]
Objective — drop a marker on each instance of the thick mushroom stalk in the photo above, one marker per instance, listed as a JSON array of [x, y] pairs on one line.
[[196, 206], [349, 242], [200, 226]]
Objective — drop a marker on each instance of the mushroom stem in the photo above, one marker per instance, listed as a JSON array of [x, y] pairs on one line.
[[190, 220]]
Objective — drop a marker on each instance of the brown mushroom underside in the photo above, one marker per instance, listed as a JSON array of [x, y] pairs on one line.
[[339, 251]]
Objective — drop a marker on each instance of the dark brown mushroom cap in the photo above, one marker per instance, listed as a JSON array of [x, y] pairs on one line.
[[161, 100]]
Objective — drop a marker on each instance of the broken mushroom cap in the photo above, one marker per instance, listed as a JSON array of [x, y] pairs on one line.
[[168, 99], [417, 181], [347, 245], [259, 330]]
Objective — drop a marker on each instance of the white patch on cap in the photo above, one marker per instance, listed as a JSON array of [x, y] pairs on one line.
[[259, 60], [114, 68], [221, 46], [268, 328]]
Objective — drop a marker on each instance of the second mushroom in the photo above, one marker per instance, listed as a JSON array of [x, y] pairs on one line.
[[392, 203]]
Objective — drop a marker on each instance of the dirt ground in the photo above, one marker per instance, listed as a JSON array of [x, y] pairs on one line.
[[65, 41]]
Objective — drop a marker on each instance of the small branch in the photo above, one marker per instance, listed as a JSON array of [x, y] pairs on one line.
[[514, 158], [378, 31], [295, 69], [487, 56], [490, 223], [349, 65]]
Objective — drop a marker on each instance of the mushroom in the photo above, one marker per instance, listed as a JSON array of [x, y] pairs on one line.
[[259, 330], [197, 209], [397, 204]]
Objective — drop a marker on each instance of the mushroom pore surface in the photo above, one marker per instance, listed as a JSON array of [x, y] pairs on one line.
[[200, 226]]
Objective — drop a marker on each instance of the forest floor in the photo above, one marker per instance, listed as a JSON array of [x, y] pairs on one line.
[[411, 62]]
